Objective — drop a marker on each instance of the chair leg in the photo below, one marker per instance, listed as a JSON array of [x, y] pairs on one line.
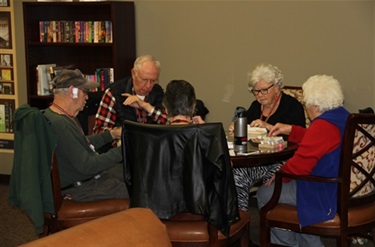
[[343, 240], [45, 232], [245, 238], [264, 235]]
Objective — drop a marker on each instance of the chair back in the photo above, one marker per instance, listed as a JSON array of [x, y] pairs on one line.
[[357, 168], [297, 93], [55, 179], [180, 168]]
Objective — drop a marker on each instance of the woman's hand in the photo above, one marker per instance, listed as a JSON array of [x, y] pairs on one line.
[[279, 128], [261, 124], [231, 128], [269, 181]]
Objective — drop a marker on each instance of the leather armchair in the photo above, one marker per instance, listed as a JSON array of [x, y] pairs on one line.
[[183, 173]]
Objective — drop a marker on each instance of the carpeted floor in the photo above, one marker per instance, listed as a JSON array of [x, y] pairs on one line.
[[16, 228]]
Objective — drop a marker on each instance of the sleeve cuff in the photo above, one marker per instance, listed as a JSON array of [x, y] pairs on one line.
[[151, 112]]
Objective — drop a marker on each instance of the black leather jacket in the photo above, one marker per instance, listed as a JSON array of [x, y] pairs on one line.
[[184, 168]]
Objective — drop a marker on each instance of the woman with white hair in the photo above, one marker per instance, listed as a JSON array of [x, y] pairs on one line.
[[270, 107], [318, 154]]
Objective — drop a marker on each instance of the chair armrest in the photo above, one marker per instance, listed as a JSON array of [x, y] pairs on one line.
[[279, 175], [309, 177]]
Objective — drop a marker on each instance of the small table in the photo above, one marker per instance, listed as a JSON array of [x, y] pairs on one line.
[[263, 156]]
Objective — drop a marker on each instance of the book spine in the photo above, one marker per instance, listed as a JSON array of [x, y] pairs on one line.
[[111, 75], [41, 31], [103, 35], [49, 31], [11, 111], [108, 27], [59, 31], [7, 117], [54, 31], [2, 117], [77, 31]]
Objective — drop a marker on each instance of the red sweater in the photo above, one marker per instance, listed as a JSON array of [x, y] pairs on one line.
[[319, 139]]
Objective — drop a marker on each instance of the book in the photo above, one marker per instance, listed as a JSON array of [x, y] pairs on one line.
[[44, 78], [6, 60], [54, 71], [7, 115], [6, 74], [2, 117], [10, 119]]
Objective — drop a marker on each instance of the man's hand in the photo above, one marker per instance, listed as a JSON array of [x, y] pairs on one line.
[[116, 133], [134, 101], [198, 120]]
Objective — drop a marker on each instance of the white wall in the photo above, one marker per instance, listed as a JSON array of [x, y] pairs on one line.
[[214, 44]]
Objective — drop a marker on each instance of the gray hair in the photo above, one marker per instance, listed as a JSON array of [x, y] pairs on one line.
[[145, 58], [266, 72], [323, 91], [61, 91]]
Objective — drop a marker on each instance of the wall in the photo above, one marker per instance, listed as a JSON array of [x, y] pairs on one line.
[[214, 44]]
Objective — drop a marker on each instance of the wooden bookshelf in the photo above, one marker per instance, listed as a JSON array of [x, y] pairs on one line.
[[86, 56], [8, 85]]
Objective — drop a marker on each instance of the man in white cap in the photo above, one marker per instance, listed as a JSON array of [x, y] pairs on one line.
[[83, 172]]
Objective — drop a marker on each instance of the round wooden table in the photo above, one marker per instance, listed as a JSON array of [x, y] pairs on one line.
[[263, 156]]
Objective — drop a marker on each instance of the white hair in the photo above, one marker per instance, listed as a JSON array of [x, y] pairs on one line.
[[266, 72], [145, 58], [323, 91]]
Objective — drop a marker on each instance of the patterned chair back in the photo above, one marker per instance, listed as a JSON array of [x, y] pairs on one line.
[[296, 92], [362, 172]]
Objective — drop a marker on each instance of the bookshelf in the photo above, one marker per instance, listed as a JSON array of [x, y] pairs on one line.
[[118, 53], [8, 84]]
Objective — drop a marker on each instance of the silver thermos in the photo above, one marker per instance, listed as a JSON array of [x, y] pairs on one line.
[[240, 130]]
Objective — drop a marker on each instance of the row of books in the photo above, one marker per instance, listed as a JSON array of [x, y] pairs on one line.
[[75, 31], [6, 116], [104, 77], [46, 72]]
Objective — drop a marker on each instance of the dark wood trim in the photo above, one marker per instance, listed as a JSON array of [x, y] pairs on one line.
[[4, 179]]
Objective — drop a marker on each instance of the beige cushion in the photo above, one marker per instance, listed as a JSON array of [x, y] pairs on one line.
[[132, 227]]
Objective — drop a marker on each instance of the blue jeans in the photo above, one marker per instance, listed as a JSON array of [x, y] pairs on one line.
[[282, 236]]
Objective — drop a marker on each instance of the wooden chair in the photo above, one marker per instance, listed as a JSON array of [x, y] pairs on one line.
[[71, 213], [297, 93], [183, 173], [356, 193]]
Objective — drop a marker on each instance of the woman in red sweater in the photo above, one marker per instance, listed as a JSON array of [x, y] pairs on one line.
[[318, 154]]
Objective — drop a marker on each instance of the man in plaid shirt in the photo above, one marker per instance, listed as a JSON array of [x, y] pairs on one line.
[[137, 98]]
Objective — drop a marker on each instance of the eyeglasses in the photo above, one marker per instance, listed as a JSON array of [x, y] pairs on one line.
[[145, 81], [263, 90]]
